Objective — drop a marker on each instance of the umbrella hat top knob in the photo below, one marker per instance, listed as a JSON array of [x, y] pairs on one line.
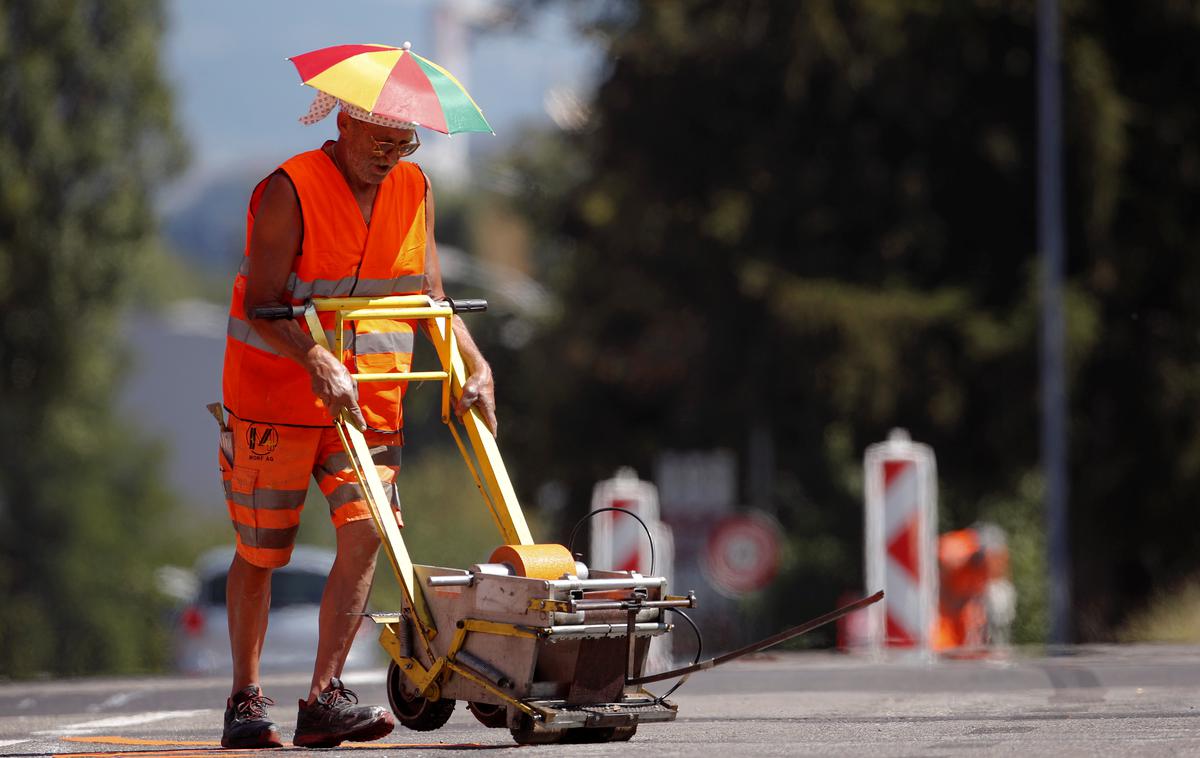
[[406, 46]]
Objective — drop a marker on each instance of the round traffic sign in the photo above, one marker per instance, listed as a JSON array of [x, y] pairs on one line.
[[742, 553]]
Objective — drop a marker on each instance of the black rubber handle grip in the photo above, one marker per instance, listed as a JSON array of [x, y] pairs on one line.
[[276, 312], [468, 306]]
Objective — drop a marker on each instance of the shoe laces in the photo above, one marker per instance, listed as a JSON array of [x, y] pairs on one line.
[[335, 694], [253, 707]]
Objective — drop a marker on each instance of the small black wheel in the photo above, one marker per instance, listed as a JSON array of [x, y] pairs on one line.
[[525, 734], [489, 714], [623, 733], [417, 713], [530, 737], [589, 734]]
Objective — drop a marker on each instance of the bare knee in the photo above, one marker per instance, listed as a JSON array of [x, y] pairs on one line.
[[243, 571], [358, 540]]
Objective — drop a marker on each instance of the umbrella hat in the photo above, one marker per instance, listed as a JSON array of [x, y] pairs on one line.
[[392, 82]]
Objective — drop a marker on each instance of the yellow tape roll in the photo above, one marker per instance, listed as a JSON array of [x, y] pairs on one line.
[[536, 561]]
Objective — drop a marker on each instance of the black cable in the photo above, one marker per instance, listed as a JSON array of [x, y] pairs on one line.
[[699, 652], [579, 523], [650, 539]]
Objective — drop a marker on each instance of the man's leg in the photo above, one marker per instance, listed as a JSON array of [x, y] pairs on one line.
[[345, 597], [331, 714], [265, 484], [247, 600]]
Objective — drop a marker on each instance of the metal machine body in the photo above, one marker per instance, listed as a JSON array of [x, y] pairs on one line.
[[548, 658], [555, 653]]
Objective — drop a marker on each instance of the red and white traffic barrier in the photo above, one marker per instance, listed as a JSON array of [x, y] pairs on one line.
[[618, 541], [900, 545]]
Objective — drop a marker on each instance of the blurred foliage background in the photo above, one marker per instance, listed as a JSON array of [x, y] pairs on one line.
[[818, 219], [805, 221], [87, 135]]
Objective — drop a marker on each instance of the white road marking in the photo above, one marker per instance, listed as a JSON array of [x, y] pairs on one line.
[[359, 678], [10, 743], [118, 721], [116, 701]]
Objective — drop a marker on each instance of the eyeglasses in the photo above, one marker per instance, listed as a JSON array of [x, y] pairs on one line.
[[401, 148]]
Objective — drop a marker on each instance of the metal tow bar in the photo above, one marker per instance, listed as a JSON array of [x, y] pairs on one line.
[[763, 644]]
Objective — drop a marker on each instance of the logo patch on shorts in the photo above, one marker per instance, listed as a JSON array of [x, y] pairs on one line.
[[262, 438]]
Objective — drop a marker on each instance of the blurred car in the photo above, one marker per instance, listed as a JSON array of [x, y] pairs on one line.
[[201, 644]]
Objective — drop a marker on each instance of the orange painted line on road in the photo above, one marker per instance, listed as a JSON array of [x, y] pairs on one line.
[[139, 741], [183, 752]]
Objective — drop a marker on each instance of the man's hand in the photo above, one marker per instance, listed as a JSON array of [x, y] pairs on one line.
[[480, 392], [332, 383]]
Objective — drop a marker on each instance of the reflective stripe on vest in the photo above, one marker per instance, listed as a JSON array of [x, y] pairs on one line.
[[383, 342], [243, 332], [340, 256], [351, 286]]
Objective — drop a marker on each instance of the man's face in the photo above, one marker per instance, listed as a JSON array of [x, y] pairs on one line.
[[371, 151]]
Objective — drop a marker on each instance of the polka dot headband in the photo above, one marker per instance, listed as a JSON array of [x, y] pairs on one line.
[[322, 106]]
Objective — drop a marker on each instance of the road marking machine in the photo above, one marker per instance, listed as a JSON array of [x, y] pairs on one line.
[[533, 640]]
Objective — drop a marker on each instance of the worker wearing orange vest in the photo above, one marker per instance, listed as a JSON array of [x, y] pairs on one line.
[[971, 562], [347, 219]]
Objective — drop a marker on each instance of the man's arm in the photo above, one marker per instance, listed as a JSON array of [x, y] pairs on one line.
[[479, 389], [274, 244]]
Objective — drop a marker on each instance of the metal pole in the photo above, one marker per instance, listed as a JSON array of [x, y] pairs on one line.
[[1053, 384]]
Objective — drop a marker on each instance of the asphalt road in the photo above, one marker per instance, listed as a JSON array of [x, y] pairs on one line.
[[1087, 701]]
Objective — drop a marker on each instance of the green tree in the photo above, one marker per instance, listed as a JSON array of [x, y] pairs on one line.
[[818, 218], [87, 134]]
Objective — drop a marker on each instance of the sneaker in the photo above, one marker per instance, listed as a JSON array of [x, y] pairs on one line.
[[335, 717], [246, 722]]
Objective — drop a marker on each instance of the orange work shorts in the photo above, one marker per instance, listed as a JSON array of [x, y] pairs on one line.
[[267, 479]]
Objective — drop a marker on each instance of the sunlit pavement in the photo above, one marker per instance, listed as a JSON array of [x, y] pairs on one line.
[[1090, 701]]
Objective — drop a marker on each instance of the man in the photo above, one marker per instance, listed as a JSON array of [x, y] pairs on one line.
[[348, 219]]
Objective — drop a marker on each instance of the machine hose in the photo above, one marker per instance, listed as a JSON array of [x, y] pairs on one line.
[[579, 523]]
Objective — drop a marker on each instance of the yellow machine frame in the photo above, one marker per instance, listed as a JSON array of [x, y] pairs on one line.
[[483, 460], [487, 469]]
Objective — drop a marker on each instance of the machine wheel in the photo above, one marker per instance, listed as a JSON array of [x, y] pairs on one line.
[[526, 735], [623, 733], [590, 734], [419, 714], [489, 714], [530, 737]]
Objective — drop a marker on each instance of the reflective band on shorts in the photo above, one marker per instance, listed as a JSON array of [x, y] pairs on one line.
[[381, 455], [344, 493], [387, 455], [251, 536], [382, 343], [350, 492], [272, 500]]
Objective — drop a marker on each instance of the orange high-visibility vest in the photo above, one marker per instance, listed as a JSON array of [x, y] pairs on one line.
[[340, 256], [963, 575]]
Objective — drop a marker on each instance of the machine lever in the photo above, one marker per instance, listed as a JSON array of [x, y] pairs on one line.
[[795, 631]]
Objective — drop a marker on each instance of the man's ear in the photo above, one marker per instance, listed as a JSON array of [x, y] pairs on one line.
[[343, 122]]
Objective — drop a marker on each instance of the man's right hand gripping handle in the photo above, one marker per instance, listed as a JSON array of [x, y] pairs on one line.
[[331, 380]]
